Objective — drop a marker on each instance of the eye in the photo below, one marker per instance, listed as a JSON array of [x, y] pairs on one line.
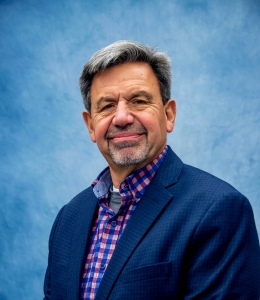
[[108, 106], [139, 101]]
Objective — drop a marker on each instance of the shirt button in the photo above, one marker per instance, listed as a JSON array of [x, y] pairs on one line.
[[113, 223], [138, 195], [102, 266]]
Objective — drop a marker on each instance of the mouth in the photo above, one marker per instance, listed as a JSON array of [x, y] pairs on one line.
[[126, 136]]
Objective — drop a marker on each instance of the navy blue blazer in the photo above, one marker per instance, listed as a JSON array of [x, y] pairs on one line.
[[192, 236]]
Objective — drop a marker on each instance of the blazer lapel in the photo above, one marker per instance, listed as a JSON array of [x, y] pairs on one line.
[[81, 232], [154, 200]]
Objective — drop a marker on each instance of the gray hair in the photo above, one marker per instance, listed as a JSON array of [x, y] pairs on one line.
[[122, 52]]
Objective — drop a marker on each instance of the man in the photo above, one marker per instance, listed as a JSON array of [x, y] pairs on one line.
[[149, 227]]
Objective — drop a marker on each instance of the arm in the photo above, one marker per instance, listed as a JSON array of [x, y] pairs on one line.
[[225, 253], [47, 285]]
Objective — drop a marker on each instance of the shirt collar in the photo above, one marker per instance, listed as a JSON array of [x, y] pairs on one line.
[[136, 182]]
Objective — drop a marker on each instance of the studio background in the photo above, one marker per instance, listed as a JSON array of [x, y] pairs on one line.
[[46, 154]]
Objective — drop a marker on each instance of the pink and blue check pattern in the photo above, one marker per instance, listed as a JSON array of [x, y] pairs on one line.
[[109, 226]]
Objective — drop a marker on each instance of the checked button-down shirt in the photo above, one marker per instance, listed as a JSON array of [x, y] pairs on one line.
[[109, 225]]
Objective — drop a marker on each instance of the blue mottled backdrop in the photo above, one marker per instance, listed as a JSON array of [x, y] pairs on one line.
[[46, 154]]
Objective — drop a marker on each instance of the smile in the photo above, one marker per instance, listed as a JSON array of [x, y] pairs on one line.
[[124, 136]]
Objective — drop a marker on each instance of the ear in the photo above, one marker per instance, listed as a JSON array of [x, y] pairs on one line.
[[89, 123], [170, 113]]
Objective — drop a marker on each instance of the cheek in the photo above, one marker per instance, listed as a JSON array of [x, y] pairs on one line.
[[100, 130], [153, 123]]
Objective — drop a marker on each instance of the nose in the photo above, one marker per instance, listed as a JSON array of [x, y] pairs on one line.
[[123, 115]]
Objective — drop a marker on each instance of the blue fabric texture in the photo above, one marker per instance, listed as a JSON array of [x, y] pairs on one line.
[[192, 236]]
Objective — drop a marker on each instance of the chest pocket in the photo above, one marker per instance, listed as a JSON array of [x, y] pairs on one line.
[[147, 272]]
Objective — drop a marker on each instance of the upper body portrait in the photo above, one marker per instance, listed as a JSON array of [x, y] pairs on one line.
[[149, 226]]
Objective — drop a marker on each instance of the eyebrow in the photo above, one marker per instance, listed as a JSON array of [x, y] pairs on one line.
[[145, 94], [137, 94], [103, 99]]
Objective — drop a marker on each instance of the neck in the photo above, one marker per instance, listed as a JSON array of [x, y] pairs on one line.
[[118, 174]]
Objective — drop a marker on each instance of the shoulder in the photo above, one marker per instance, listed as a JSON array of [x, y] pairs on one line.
[[201, 180], [190, 179], [207, 188], [195, 188], [80, 198], [207, 197], [76, 206]]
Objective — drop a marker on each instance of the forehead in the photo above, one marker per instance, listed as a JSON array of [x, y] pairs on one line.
[[132, 75]]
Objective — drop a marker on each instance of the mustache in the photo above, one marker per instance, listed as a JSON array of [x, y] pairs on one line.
[[139, 129]]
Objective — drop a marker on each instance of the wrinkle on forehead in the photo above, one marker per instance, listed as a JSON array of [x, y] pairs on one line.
[[124, 82]]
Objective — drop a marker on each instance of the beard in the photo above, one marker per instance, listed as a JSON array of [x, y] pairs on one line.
[[128, 153]]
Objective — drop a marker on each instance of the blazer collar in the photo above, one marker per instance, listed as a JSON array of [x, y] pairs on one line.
[[170, 170], [152, 203]]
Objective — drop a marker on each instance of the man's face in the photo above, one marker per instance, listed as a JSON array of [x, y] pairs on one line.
[[128, 120]]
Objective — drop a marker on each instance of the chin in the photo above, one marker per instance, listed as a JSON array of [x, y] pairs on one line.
[[128, 156]]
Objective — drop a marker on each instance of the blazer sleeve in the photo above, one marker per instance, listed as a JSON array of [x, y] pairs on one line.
[[47, 286], [225, 253]]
